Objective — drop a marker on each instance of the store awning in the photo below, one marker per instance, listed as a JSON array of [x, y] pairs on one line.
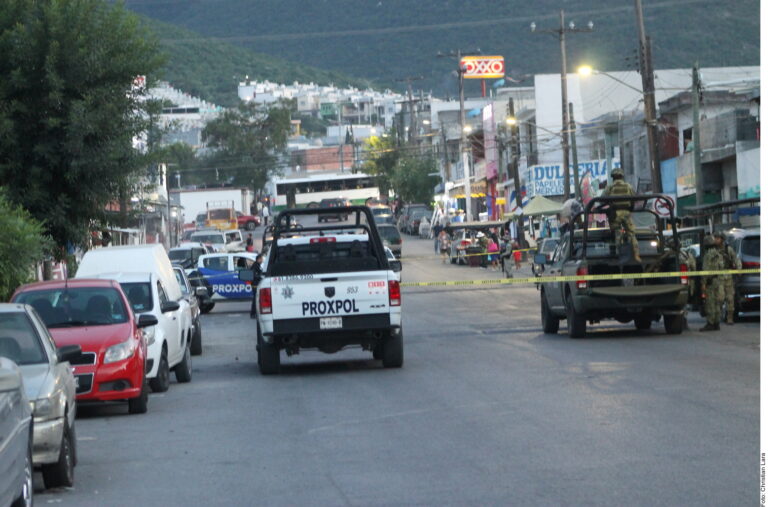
[[540, 205]]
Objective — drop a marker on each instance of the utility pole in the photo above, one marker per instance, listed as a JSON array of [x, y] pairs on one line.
[[560, 32], [514, 166], [649, 98], [341, 145], [464, 147], [412, 128], [576, 179], [695, 91]]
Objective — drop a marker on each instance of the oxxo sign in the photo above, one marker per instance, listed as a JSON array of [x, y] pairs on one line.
[[483, 67]]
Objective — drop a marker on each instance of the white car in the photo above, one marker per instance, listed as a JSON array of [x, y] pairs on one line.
[[15, 438], [220, 241], [50, 388]]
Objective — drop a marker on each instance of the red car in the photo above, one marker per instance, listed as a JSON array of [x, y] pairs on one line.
[[248, 222], [96, 315]]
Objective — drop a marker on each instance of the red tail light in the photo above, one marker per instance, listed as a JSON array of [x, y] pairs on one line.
[[750, 265], [582, 271], [683, 269], [394, 293], [265, 301], [324, 239]]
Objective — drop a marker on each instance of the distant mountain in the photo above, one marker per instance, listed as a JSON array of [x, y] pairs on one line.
[[211, 69], [384, 40]]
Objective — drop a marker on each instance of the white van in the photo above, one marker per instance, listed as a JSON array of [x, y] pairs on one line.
[[146, 276]]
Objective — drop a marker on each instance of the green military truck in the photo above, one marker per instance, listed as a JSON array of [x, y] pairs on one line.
[[593, 251]]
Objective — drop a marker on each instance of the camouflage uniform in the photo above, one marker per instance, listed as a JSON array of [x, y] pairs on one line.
[[619, 216], [732, 261], [712, 288]]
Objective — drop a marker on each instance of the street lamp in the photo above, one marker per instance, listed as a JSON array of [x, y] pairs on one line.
[[467, 129], [587, 70]]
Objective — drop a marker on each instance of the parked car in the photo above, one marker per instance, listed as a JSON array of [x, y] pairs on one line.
[[200, 220], [221, 218], [235, 241], [186, 254], [95, 315], [391, 238], [15, 438], [217, 240], [332, 203], [746, 243], [193, 295], [50, 389], [384, 218], [146, 276], [247, 222]]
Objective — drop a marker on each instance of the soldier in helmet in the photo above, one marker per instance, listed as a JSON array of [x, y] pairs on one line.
[[712, 285], [732, 261], [619, 216]]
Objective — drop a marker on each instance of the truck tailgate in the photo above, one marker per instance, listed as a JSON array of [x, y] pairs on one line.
[[639, 290], [333, 294]]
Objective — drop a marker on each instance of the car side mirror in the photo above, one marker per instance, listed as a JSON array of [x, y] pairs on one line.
[[169, 306], [245, 275], [146, 320], [541, 259], [201, 292], [68, 352], [395, 266]]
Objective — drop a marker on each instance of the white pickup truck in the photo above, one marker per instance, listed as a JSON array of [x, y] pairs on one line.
[[327, 288]]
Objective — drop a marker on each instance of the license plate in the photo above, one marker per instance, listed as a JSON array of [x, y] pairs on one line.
[[330, 323]]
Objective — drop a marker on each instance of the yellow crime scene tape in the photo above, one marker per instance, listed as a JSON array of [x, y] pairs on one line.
[[574, 278]]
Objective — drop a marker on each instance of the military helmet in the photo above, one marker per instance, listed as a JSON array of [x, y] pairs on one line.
[[709, 240], [617, 173]]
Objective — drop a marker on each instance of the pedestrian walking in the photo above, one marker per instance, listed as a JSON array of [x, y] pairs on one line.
[[249, 243], [712, 285], [257, 275], [265, 214], [445, 245], [732, 261], [493, 252], [517, 254], [436, 230]]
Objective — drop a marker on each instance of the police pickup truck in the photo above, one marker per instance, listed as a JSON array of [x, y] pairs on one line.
[[591, 250], [327, 288]]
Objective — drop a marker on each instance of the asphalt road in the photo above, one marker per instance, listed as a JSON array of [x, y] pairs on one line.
[[487, 410]]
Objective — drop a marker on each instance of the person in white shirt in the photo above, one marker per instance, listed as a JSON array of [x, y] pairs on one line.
[[265, 214]]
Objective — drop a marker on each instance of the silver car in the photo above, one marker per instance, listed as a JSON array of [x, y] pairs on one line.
[[49, 386], [15, 438]]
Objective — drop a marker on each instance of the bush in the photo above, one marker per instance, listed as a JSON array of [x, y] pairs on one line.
[[22, 245]]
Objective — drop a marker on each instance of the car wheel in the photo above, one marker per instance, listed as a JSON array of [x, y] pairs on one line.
[[183, 370], [643, 322], [27, 489], [392, 351], [577, 324], [673, 324], [162, 381], [62, 473], [138, 405], [196, 346], [251, 226], [269, 356], [549, 323]]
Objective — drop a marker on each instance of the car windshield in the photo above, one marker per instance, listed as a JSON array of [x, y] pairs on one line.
[[77, 306], [389, 233], [19, 341], [219, 214], [751, 246], [548, 246], [209, 238], [180, 279], [139, 295], [180, 255]]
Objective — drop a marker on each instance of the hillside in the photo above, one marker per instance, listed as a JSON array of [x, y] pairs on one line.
[[211, 69], [383, 40]]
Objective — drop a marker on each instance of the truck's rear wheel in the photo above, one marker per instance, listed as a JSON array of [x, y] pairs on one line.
[[577, 324], [392, 351], [549, 322], [673, 324], [268, 357]]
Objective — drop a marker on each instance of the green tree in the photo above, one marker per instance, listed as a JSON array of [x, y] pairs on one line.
[[247, 141], [412, 181], [382, 157], [68, 114], [19, 232]]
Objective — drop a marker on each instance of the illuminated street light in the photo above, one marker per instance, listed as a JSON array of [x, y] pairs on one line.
[[467, 129], [587, 70], [511, 121], [425, 122]]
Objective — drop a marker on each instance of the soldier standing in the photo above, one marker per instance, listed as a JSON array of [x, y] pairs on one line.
[[732, 261], [619, 215], [712, 285]]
